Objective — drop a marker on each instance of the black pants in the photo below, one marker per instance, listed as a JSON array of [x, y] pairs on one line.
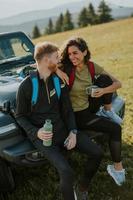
[[94, 103], [55, 156], [89, 121]]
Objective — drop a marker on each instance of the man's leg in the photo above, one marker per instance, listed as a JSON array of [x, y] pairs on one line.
[[54, 155], [94, 153]]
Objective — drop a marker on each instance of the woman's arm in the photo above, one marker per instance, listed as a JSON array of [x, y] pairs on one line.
[[110, 89], [116, 84], [63, 76]]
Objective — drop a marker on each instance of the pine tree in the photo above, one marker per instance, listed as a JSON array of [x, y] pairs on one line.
[[104, 13], [50, 28], [59, 24], [36, 32], [67, 22], [92, 17], [83, 18]]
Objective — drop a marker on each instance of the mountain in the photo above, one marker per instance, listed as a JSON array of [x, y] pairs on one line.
[[26, 21], [42, 14], [27, 27]]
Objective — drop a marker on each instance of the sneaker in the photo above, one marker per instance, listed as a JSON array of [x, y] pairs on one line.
[[101, 113], [75, 195], [118, 176], [109, 114], [84, 196], [79, 195]]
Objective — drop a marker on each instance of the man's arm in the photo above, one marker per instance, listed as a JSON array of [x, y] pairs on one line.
[[23, 109], [69, 118]]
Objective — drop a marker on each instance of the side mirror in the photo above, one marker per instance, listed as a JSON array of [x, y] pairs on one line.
[[5, 107]]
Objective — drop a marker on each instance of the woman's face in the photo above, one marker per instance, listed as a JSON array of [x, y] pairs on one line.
[[76, 56]]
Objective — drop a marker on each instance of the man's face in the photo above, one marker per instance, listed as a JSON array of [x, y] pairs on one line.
[[53, 61], [49, 62]]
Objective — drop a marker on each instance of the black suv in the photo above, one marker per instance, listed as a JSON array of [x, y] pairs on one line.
[[16, 59]]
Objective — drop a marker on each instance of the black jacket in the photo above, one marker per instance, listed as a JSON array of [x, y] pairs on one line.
[[48, 106]]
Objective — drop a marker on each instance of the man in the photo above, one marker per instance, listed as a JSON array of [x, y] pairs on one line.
[[59, 111]]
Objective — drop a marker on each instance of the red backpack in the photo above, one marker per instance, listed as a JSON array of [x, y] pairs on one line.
[[91, 69]]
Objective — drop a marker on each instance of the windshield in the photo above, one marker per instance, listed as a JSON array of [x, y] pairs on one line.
[[16, 51], [13, 48]]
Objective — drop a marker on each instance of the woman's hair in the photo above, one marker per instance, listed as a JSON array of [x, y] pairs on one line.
[[80, 44], [45, 48]]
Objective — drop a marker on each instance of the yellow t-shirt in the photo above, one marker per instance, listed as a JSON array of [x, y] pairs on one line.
[[78, 95]]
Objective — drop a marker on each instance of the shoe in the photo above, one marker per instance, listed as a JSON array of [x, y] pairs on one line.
[[84, 196], [79, 195], [101, 113], [118, 176], [109, 114], [75, 195]]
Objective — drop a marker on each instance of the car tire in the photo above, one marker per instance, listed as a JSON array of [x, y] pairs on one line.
[[7, 183]]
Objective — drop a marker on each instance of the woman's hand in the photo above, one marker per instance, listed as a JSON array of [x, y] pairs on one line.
[[42, 135], [71, 141], [63, 76], [99, 92]]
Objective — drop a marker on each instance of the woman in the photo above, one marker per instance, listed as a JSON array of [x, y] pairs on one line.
[[75, 58]]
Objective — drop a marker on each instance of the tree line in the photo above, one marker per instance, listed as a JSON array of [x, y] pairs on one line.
[[87, 16]]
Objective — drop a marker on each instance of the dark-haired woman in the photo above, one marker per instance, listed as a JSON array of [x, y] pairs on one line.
[[75, 59]]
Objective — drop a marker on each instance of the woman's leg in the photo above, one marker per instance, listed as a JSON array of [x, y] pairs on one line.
[[106, 100], [89, 121]]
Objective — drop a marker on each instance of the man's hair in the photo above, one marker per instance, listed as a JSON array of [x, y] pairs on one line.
[[45, 48]]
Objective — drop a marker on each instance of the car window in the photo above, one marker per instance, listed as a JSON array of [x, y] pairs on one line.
[[19, 47], [13, 48]]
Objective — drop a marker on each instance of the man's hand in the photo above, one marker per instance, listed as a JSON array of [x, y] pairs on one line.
[[63, 76], [42, 135], [99, 92], [71, 141]]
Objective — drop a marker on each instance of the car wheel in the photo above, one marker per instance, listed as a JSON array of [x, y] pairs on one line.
[[6, 178]]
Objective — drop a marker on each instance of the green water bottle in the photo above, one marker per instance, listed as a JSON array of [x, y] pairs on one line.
[[48, 128]]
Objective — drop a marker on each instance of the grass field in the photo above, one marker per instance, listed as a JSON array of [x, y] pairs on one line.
[[112, 47]]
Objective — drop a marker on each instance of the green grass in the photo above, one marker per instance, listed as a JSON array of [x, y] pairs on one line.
[[112, 47]]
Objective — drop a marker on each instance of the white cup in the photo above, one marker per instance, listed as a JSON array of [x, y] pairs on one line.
[[93, 90]]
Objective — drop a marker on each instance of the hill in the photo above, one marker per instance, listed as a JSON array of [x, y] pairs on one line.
[[26, 21], [111, 45]]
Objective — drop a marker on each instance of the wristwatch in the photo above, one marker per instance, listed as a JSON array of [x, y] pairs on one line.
[[74, 131]]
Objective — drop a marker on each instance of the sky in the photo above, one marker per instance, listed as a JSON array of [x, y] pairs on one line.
[[13, 7]]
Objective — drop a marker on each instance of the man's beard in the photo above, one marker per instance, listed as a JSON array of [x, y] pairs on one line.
[[52, 67]]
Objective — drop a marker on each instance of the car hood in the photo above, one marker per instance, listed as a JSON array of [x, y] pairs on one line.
[[8, 88]]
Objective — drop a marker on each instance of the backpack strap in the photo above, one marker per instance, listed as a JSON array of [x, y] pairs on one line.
[[57, 85], [72, 73], [91, 70], [35, 87], [71, 77]]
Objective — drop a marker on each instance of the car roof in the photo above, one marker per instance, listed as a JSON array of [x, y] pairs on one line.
[[12, 33]]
